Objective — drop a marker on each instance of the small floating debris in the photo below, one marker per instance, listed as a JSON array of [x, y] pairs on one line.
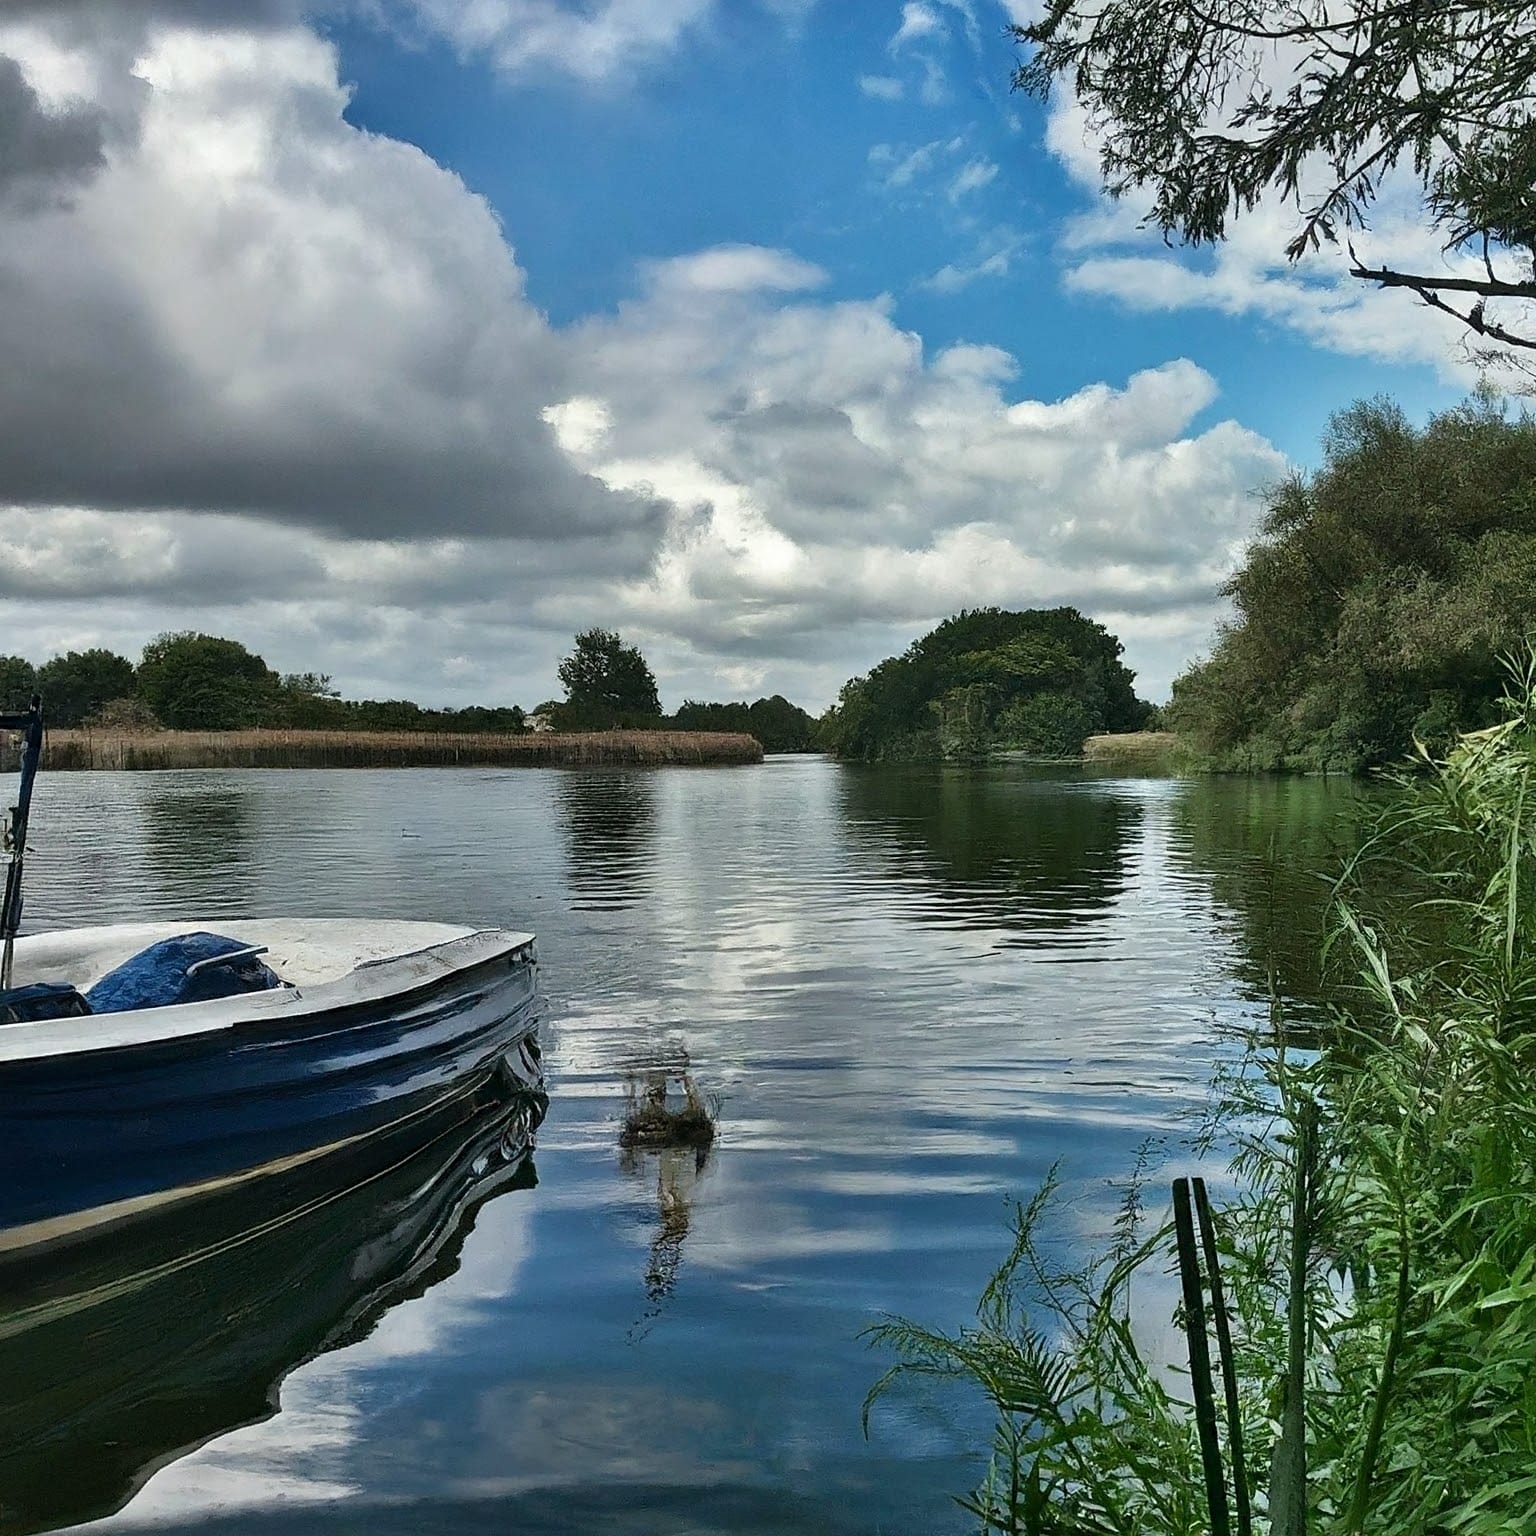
[[656, 1116]]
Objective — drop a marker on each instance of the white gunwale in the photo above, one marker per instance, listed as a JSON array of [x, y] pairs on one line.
[[327, 962]]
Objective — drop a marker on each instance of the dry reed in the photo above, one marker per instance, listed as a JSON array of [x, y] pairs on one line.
[[1158, 750], [108, 749]]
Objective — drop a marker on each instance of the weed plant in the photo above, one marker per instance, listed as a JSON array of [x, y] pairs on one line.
[[655, 1118], [1377, 1251]]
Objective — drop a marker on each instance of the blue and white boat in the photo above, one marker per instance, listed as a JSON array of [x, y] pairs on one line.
[[148, 1067]]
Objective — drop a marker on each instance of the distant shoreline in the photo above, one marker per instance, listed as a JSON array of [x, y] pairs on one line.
[[81, 749]]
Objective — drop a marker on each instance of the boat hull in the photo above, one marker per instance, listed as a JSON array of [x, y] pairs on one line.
[[97, 1141], [245, 1286]]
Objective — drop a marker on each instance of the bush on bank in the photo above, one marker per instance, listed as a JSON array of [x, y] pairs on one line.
[[1373, 606]]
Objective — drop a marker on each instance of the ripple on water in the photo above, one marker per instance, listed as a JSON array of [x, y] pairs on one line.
[[913, 991]]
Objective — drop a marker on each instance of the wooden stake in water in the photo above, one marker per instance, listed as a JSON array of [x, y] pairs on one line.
[[1219, 1317], [1200, 1361]]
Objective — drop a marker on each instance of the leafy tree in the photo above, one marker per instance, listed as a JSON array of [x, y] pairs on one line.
[[951, 691], [779, 725], [1046, 725], [1373, 606], [1188, 102], [606, 682], [206, 683], [76, 685], [18, 682], [309, 685], [309, 701]]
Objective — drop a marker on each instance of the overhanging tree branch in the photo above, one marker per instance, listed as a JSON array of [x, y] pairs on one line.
[[1214, 106], [1489, 288]]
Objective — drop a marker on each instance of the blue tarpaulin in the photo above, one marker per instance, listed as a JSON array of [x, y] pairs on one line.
[[157, 977]]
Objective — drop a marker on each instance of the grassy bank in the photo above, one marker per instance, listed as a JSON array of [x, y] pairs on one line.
[[1138, 752], [104, 749], [1359, 1309]]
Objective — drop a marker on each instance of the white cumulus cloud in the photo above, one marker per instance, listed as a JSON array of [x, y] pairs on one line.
[[272, 376]]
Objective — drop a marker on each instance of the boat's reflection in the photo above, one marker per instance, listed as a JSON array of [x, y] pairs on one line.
[[109, 1373]]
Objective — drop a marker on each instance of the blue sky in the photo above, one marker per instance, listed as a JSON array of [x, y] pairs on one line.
[[768, 333], [756, 131]]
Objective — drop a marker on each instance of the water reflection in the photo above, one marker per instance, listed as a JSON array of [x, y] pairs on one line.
[[609, 821], [916, 989], [653, 1091], [126, 1363], [996, 847], [199, 838], [1269, 850]]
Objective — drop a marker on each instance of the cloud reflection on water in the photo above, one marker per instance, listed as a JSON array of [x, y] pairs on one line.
[[913, 989]]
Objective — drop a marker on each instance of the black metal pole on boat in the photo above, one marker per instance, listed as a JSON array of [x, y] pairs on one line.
[[31, 726]]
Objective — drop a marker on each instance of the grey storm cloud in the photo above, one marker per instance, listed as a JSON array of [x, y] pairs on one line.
[[42, 152], [246, 305], [813, 461]]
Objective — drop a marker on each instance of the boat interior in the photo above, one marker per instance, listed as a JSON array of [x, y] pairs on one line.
[[302, 953]]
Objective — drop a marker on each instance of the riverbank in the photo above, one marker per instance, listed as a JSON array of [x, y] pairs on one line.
[[153, 750]]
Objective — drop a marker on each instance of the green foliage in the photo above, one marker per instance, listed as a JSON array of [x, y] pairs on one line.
[[779, 725], [1215, 106], [18, 682], [958, 691], [76, 685], [308, 701], [203, 682], [1373, 606], [606, 682], [198, 682], [303, 710], [1046, 725], [1378, 1252]]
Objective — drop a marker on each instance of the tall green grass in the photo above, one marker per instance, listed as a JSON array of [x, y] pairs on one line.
[[1376, 1254]]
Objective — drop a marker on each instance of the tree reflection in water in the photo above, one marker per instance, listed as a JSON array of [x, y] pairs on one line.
[[1041, 857], [609, 821]]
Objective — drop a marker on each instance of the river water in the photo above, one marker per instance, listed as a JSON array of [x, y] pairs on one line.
[[911, 991]]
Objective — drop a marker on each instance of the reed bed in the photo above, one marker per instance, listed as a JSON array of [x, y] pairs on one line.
[[85, 749], [1147, 751]]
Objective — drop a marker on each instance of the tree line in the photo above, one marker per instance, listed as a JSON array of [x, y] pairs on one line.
[[199, 682], [196, 682]]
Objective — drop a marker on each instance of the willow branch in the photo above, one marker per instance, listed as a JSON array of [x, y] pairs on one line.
[[1488, 288]]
